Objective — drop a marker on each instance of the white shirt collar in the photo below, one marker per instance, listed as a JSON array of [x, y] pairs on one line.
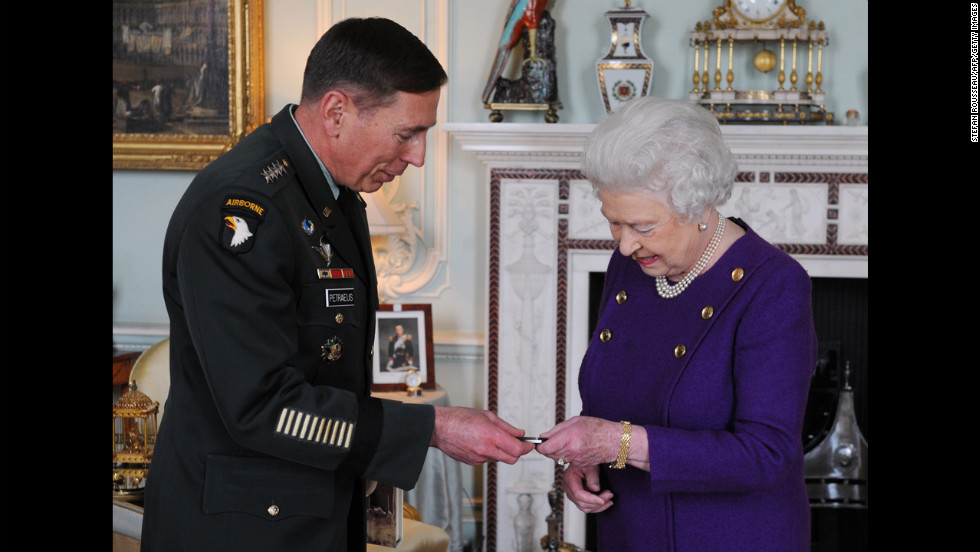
[[333, 185]]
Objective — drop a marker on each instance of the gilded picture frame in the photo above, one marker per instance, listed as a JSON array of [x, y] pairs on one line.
[[188, 81], [403, 342]]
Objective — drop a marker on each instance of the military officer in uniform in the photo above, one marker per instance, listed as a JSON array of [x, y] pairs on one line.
[[269, 282], [401, 350]]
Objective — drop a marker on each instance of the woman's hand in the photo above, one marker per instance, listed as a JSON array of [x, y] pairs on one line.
[[582, 441], [582, 488], [585, 441]]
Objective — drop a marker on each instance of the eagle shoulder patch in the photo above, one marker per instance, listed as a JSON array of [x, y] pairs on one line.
[[240, 220]]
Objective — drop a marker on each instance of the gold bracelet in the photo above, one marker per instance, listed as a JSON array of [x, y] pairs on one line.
[[624, 447]]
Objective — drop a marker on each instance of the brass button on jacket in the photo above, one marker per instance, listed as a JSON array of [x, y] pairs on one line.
[[273, 510], [680, 350], [621, 297], [707, 312], [605, 336], [737, 274]]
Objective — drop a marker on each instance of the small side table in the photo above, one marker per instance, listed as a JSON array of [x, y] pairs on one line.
[[438, 495]]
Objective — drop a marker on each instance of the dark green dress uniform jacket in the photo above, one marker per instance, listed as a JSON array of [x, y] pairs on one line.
[[270, 430]]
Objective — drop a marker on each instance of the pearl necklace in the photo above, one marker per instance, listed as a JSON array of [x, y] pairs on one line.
[[667, 291]]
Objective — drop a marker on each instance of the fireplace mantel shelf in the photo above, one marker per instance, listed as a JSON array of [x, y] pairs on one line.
[[562, 144], [787, 159]]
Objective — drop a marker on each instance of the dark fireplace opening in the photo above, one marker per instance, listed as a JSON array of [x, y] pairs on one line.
[[840, 317]]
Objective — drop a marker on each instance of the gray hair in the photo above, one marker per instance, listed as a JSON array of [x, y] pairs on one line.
[[672, 149]]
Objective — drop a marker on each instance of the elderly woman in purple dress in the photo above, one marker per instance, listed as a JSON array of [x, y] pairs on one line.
[[695, 383]]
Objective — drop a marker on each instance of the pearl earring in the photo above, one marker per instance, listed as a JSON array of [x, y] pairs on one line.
[[702, 226]]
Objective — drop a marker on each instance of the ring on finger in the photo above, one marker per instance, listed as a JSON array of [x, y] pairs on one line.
[[562, 462]]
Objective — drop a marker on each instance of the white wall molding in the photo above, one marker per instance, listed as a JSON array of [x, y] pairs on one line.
[[421, 194]]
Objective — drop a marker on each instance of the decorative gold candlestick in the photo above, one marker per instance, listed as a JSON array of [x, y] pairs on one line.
[[809, 67], [718, 67], [697, 51], [792, 76], [782, 63], [704, 76], [731, 52], [819, 59]]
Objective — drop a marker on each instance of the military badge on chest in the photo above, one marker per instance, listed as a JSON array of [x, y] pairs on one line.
[[332, 349], [240, 220], [339, 292], [324, 249]]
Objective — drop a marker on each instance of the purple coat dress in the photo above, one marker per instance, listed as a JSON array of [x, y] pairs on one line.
[[718, 376]]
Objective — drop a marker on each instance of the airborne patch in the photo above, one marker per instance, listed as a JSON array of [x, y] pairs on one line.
[[240, 220]]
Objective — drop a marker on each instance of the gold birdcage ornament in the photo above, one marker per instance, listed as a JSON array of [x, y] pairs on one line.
[[134, 435]]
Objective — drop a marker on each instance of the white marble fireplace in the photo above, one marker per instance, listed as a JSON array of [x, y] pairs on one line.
[[804, 188]]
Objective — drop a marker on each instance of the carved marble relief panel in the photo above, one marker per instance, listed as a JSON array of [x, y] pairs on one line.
[[526, 351], [795, 213], [853, 215], [585, 222]]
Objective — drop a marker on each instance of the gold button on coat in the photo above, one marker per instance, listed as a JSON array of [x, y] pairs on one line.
[[680, 351], [273, 510], [707, 312], [605, 336], [621, 297], [737, 274], [339, 318]]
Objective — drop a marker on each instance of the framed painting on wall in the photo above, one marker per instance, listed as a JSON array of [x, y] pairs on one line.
[[187, 80], [403, 343]]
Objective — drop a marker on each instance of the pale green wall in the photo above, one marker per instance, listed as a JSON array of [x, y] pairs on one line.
[[142, 199]]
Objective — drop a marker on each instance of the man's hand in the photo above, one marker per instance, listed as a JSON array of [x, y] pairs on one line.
[[477, 436]]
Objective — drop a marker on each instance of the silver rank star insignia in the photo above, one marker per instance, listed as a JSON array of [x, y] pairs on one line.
[[274, 170], [332, 349]]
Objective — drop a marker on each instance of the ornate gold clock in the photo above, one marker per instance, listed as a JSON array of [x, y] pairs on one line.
[[758, 11], [749, 26]]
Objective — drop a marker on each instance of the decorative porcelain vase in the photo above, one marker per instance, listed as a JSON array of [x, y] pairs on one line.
[[625, 72]]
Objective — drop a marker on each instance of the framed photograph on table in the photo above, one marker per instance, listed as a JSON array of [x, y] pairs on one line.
[[403, 343], [187, 81]]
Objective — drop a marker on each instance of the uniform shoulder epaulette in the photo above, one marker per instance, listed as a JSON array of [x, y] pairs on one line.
[[268, 174], [274, 171]]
